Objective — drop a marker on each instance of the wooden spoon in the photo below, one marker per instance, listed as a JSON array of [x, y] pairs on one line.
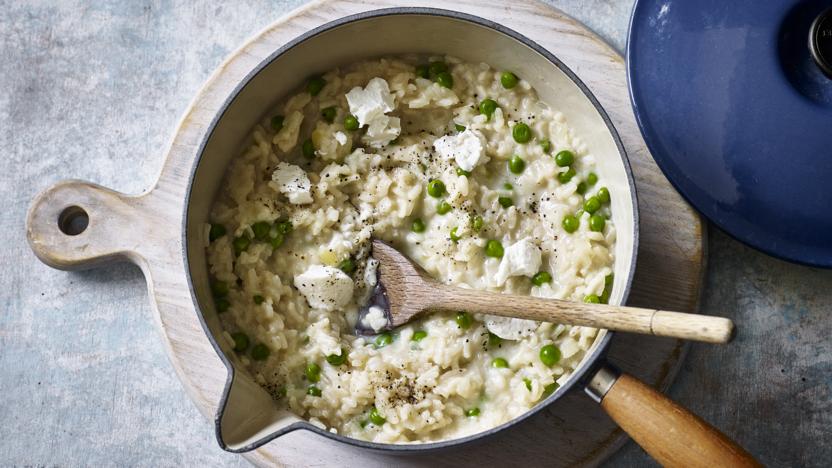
[[405, 290]]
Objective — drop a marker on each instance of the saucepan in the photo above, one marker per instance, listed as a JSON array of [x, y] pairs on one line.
[[247, 417]]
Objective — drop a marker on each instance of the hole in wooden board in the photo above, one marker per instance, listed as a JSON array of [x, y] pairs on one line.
[[73, 220]]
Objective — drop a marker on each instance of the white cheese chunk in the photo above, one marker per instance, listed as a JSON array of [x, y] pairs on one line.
[[371, 102], [374, 319], [292, 181], [509, 328], [341, 138], [382, 130], [369, 105], [523, 258], [325, 287], [467, 148]]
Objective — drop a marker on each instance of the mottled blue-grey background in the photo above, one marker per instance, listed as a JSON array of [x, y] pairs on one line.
[[92, 90]]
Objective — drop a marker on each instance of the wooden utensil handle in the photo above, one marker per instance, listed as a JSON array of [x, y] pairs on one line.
[[76, 225], [620, 318], [668, 432]]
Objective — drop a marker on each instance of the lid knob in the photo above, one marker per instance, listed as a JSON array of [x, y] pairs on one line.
[[820, 41]]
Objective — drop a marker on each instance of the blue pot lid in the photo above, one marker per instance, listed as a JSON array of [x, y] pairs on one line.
[[736, 109]]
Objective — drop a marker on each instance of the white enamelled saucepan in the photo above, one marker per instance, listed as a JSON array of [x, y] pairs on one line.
[[75, 225]]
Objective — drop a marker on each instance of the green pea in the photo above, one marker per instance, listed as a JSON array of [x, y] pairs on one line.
[[328, 113], [337, 359], [592, 299], [549, 355], [313, 391], [261, 230], [509, 80], [419, 335], [443, 207], [487, 107], [436, 188], [258, 299], [445, 80], [596, 223], [565, 177], [477, 222], [277, 123], [550, 389], [347, 266], [221, 304], [499, 363], [494, 340], [528, 383], [376, 417], [435, 68], [315, 85], [217, 231], [383, 340], [308, 149], [462, 172], [494, 248], [219, 289], [351, 123], [459, 128], [505, 202], [260, 352], [581, 189], [521, 133], [592, 204], [564, 158], [541, 278], [313, 372], [241, 244], [240, 341], [454, 237], [508, 186], [284, 227], [516, 164], [364, 423], [418, 225], [546, 145], [570, 223], [422, 71], [472, 413], [592, 178], [603, 195], [276, 239], [463, 320]]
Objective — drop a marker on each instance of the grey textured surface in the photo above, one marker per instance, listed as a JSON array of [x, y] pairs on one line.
[[93, 90]]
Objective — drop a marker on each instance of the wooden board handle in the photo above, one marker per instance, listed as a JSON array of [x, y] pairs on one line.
[[668, 432], [76, 225], [680, 325]]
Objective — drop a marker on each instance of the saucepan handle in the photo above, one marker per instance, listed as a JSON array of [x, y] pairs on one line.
[[76, 225], [670, 433]]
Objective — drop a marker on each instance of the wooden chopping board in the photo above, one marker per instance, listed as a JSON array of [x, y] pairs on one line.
[[572, 431]]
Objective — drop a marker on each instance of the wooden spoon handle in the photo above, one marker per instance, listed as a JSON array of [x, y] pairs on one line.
[[668, 432], [620, 318]]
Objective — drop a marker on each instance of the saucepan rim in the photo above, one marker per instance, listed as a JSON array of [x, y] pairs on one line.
[[590, 362]]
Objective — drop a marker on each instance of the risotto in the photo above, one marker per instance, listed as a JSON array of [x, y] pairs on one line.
[[464, 170]]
